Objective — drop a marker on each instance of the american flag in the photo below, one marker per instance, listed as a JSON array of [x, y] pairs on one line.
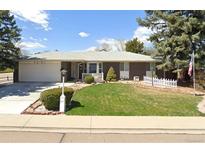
[[190, 66]]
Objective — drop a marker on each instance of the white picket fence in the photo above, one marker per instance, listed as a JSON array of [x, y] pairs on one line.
[[164, 83]]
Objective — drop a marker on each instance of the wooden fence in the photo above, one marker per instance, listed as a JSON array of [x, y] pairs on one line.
[[164, 83], [6, 77]]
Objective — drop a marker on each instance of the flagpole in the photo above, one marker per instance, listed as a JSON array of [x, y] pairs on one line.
[[194, 80]]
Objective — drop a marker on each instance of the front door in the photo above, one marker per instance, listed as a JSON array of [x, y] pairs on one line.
[[80, 70]]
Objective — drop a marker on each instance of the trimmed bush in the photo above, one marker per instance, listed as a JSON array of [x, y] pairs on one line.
[[111, 76], [7, 70], [89, 79], [51, 97]]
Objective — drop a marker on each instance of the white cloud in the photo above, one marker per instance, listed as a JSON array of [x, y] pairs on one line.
[[111, 44], [36, 16], [33, 39], [83, 34], [30, 45], [93, 48], [143, 33], [108, 44], [37, 39]]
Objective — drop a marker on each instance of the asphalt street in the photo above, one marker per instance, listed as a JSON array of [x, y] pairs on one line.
[[43, 137]]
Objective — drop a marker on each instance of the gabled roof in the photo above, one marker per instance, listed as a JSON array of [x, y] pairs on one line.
[[105, 56]]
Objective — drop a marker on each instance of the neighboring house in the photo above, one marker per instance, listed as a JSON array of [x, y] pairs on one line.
[[46, 66]]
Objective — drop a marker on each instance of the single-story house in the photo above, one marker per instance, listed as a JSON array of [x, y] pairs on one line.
[[46, 66]]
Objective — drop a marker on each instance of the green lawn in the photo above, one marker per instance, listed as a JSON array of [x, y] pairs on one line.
[[124, 99]]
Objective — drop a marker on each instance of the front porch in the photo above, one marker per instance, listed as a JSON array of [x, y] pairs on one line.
[[78, 70]]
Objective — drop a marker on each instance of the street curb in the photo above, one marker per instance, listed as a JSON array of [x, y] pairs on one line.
[[105, 130], [103, 124]]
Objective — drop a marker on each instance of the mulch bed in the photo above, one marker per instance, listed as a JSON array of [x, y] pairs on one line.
[[38, 108]]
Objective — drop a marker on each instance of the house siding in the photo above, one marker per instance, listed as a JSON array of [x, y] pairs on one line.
[[138, 69], [116, 67]]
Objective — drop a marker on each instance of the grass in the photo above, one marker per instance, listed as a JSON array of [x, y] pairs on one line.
[[7, 70], [128, 100]]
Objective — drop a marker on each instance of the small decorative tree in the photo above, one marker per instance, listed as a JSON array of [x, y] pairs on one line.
[[111, 76]]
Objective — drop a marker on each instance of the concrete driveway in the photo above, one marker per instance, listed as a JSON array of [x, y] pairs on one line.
[[16, 97]]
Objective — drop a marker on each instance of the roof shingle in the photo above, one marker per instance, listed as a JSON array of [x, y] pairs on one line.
[[104, 56]]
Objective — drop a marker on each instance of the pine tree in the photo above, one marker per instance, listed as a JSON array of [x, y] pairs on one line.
[[111, 76], [9, 36], [175, 35], [134, 46]]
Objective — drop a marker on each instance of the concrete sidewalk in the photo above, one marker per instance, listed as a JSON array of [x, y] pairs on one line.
[[103, 124]]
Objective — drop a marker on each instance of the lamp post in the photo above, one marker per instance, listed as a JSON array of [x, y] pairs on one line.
[[62, 97]]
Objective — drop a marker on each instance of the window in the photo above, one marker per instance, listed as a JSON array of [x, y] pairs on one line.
[[95, 67], [100, 67], [124, 66], [124, 70], [92, 67], [152, 67], [121, 66]]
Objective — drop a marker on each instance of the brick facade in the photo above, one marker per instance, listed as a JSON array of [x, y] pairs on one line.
[[138, 69]]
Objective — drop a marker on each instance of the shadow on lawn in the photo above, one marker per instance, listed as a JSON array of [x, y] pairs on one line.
[[74, 104]]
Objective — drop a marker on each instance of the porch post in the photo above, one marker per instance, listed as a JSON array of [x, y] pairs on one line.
[[102, 76], [97, 71], [87, 70]]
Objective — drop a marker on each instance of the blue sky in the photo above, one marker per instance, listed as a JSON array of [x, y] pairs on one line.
[[76, 30]]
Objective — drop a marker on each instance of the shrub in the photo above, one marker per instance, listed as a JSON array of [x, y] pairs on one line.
[[111, 76], [51, 97], [89, 79], [7, 70]]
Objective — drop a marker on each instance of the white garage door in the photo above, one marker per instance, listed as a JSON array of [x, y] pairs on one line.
[[39, 71]]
